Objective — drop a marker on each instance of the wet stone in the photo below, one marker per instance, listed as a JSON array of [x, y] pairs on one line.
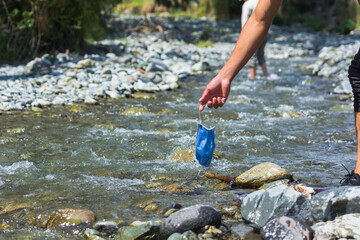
[[342, 227], [134, 111], [328, 205], [147, 230], [70, 216], [259, 207], [174, 188], [261, 174], [106, 228], [285, 228], [183, 155], [190, 219]]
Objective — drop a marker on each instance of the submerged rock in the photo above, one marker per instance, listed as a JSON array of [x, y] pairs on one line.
[[183, 155], [261, 174], [190, 219], [174, 188], [106, 227], [285, 228], [134, 111], [69, 217], [344, 227], [260, 206], [328, 205]]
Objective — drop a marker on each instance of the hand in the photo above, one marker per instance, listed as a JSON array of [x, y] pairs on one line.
[[215, 94]]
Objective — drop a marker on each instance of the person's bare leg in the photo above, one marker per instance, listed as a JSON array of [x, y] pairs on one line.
[[264, 69], [252, 72], [357, 126]]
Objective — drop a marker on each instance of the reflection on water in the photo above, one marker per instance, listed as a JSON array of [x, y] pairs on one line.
[[98, 158]]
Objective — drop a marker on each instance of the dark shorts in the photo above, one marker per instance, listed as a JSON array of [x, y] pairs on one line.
[[354, 77]]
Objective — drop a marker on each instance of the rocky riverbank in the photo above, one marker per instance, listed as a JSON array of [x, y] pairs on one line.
[[280, 208], [154, 56], [157, 55]]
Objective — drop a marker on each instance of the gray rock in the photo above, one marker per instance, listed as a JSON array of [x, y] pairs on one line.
[[189, 235], [90, 100], [175, 236], [62, 58], [59, 100], [345, 226], [148, 230], [182, 69], [190, 219], [146, 86], [106, 227], [86, 63], [38, 65], [90, 233], [112, 94], [201, 66], [343, 87], [40, 103], [156, 65], [328, 205], [260, 206], [169, 77], [285, 228]]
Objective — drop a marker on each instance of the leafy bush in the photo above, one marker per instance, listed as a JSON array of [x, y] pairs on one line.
[[31, 27], [346, 26]]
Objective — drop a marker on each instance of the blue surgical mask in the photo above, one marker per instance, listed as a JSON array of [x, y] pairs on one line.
[[205, 145]]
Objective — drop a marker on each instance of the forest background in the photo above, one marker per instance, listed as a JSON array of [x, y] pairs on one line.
[[29, 28]]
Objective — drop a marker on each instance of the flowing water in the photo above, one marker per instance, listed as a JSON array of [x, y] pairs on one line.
[[96, 158]]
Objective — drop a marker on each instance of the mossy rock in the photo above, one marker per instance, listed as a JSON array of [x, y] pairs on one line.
[[261, 174], [174, 188], [183, 155], [139, 95], [222, 186], [166, 111], [69, 217], [76, 109], [134, 111], [342, 108]]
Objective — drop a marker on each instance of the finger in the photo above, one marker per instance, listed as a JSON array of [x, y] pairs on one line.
[[214, 102], [201, 107], [219, 101], [209, 104], [204, 97], [223, 100]]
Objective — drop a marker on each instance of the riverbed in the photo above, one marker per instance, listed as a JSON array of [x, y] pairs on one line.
[[100, 158]]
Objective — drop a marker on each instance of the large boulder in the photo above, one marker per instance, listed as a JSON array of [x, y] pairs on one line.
[[259, 207], [328, 205], [344, 227], [190, 219], [261, 174], [285, 228]]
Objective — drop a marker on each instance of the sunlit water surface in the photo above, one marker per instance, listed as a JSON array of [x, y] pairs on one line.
[[101, 160]]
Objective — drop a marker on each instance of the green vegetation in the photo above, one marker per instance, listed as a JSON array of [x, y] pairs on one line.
[[204, 44], [31, 27]]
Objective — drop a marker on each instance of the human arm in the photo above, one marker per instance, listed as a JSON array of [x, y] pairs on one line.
[[250, 38]]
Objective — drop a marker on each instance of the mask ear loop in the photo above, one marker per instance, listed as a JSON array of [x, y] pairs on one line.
[[201, 170]]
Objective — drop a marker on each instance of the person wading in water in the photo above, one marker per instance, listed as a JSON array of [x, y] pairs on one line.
[[249, 40]]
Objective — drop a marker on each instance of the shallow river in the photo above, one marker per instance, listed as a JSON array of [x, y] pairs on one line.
[[94, 157]]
